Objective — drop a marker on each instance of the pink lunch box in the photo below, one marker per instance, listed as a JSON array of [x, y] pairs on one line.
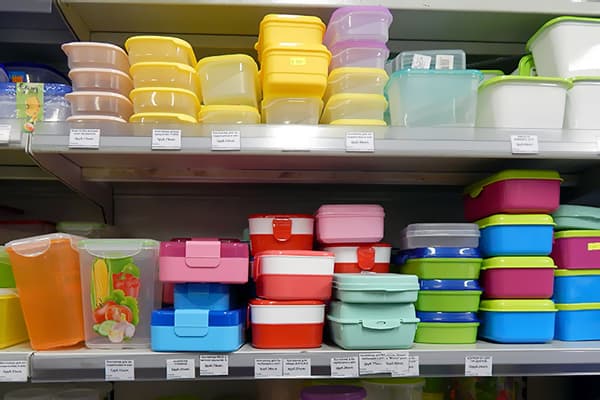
[[577, 249], [203, 260], [517, 277], [350, 223]]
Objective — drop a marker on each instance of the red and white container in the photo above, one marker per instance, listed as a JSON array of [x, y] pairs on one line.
[[350, 223], [355, 258], [281, 232], [287, 324], [294, 274]]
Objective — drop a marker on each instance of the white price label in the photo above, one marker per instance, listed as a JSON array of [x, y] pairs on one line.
[[413, 368], [372, 363], [214, 365], [84, 138], [421, 61], [166, 139], [226, 140], [268, 368], [182, 368], [119, 370], [344, 367], [296, 367], [362, 142], [444, 61], [478, 366], [397, 363], [524, 144], [13, 371], [4, 133]]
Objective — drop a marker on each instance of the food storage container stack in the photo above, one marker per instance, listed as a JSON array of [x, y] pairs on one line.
[[447, 261], [166, 85], [512, 210], [207, 316], [101, 82], [12, 324]]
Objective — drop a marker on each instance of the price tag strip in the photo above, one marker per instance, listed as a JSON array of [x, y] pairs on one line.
[[84, 138], [372, 363], [226, 141], [181, 368], [397, 363], [214, 365], [4, 133], [166, 139], [344, 367], [478, 366], [14, 371], [119, 370], [298, 367], [268, 368], [360, 142], [524, 144]]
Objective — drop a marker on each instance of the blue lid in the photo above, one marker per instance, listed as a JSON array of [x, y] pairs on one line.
[[449, 284], [447, 316], [50, 89], [436, 252], [166, 317]]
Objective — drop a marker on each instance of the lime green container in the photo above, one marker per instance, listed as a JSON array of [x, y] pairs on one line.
[[447, 332], [7, 280], [443, 268], [439, 295]]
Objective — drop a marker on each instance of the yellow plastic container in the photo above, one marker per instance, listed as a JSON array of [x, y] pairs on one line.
[[354, 106], [229, 80], [164, 100], [359, 122], [305, 111], [356, 80], [159, 48], [165, 74], [162, 118], [289, 71], [276, 29], [228, 115], [12, 324]]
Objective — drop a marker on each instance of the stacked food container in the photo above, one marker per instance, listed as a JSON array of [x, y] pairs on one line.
[[357, 38], [101, 82], [446, 259], [511, 209], [12, 325]]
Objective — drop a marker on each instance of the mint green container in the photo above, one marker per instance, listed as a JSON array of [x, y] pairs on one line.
[[7, 280], [375, 288], [451, 295]]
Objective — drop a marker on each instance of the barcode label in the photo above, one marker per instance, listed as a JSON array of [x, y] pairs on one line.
[[421, 61], [444, 61]]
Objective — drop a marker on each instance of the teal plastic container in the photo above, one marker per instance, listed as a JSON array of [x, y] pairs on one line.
[[569, 217], [375, 288]]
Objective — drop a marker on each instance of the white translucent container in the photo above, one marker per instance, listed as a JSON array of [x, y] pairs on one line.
[[305, 111], [522, 102], [362, 54], [100, 103], [56, 106], [583, 104], [354, 106], [358, 23], [165, 74], [100, 79], [429, 59], [415, 236], [96, 55], [394, 389], [228, 115], [356, 80]]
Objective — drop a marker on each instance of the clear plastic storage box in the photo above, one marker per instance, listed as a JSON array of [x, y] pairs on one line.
[[416, 236]]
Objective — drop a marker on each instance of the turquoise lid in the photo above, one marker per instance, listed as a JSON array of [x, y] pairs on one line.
[[375, 282], [387, 315], [568, 210]]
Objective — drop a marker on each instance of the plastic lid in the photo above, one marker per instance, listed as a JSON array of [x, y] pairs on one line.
[[93, 117], [449, 284], [350, 210], [358, 245], [228, 108], [517, 262], [160, 64], [557, 21], [442, 252], [491, 72], [99, 94], [517, 305], [375, 282], [440, 72], [579, 79], [538, 80], [229, 58], [447, 316], [281, 216], [163, 117], [441, 229], [568, 210], [583, 233], [93, 44], [303, 48], [50, 89], [344, 12], [36, 245], [375, 100], [339, 73], [578, 306], [333, 392], [166, 317], [576, 272], [358, 122], [178, 247], [110, 71], [300, 253], [186, 92], [515, 219], [357, 44], [263, 302], [476, 188], [116, 248], [176, 41]]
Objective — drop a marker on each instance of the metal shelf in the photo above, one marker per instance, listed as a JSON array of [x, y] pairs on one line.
[[15, 163]]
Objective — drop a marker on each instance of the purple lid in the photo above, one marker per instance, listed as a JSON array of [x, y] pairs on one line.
[[363, 44], [344, 12], [333, 392], [228, 247]]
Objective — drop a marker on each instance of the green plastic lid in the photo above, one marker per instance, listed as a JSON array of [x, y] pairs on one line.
[[577, 234], [577, 272], [558, 21], [517, 262], [515, 219], [375, 282], [476, 188], [568, 210], [537, 80], [526, 65], [397, 381], [491, 72], [517, 305], [578, 306], [577, 79]]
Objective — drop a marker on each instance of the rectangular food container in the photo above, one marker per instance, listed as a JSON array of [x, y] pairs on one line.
[[516, 235], [354, 105], [287, 324], [96, 55], [571, 217], [119, 291], [349, 223], [583, 101], [375, 288], [203, 260], [161, 99], [160, 49], [577, 249], [513, 192], [449, 295], [447, 327], [55, 106], [209, 296], [280, 232], [161, 118], [228, 114], [165, 74], [293, 274], [522, 102], [576, 286], [441, 262], [433, 98], [281, 29], [517, 321], [100, 79], [7, 280], [358, 23], [356, 326], [197, 330], [100, 103], [576, 322], [429, 59], [356, 80], [518, 277], [12, 324], [359, 257], [359, 54], [461, 235], [303, 110]]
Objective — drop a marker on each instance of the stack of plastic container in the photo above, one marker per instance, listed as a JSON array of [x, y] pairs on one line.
[[12, 325], [446, 259], [101, 82], [357, 37], [167, 88], [511, 209]]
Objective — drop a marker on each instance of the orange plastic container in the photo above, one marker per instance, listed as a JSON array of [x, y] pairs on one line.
[[46, 270]]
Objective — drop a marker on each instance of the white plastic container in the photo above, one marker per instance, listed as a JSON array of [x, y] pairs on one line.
[[356, 80], [305, 111], [583, 104], [358, 23], [395, 388], [522, 102], [354, 105], [101, 79], [100, 103], [96, 55], [416, 236], [364, 54]]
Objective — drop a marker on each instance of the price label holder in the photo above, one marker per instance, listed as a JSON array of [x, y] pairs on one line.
[[214, 365], [268, 368], [478, 366], [181, 368], [342, 367], [166, 139], [4, 133], [372, 363], [119, 370], [524, 144], [360, 142], [84, 138], [397, 363], [297, 367], [226, 141], [14, 371]]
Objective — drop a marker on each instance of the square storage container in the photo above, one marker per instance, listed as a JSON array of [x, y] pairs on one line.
[[583, 100], [100, 103], [355, 258], [197, 330], [165, 74], [280, 29], [356, 80], [55, 107], [441, 262], [577, 249], [228, 114], [455, 235], [576, 286], [303, 111], [354, 105], [47, 267], [359, 54], [209, 296], [513, 192], [160, 99], [358, 23], [287, 324], [161, 49], [280, 232], [449, 295], [518, 277], [96, 55], [516, 235], [12, 324], [356, 326], [161, 118], [349, 223], [429, 59], [293, 274], [375, 288], [433, 98], [102, 80], [203, 260], [570, 217], [517, 321], [447, 327], [577, 322], [7, 280]]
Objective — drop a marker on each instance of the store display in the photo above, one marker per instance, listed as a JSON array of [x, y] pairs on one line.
[[447, 327], [577, 249], [518, 277], [159, 49], [352, 223], [354, 258], [280, 232], [575, 322]]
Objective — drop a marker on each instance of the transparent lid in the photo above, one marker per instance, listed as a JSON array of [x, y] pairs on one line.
[[441, 229], [36, 245], [116, 248]]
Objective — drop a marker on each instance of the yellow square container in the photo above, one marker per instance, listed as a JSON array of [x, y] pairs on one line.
[[356, 80], [276, 29], [162, 118], [165, 74], [359, 122], [12, 324], [228, 115], [291, 71], [165, 100], [229, 80], [159, 48], [354, 106], [305, 111]]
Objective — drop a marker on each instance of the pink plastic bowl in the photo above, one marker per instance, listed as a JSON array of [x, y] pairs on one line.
[[518, 283]]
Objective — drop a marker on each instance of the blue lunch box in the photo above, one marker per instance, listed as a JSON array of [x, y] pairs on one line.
[[578, 322], [576, 286], [440, 262], [209, 296]]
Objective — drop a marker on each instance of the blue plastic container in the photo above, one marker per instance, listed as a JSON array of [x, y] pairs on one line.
[[576, 286], [197, 330], [516, 235], [440, 262], [209, 296], [517, 321], [575, 322]]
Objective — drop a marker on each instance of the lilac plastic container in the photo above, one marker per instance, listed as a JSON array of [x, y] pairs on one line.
[[349, 223], [578, 249], [358, 23], [359, 53], [333, 392]]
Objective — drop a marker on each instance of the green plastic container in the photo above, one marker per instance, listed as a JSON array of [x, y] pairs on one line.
[[375, 288], [443, 268], [449, 296], [447, 332], [7, 280]]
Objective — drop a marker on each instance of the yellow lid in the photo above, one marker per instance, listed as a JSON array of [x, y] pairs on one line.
[[157, 39], [244, 59], [292, 47], [144, 90], [476, 188], [517, 305], [160, 64], [229, 114], [375, 99], [292, 19], [586, 233], [359, 122], [517, 262], [578, 306], [577, 272], [162, 117], [515, 219]]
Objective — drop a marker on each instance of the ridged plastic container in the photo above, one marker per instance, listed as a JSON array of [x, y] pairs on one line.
[[577, 322], [96, 55], [458, 235], [441, 263], [349, 223], [280, 232], [165, 74], [449, 295], [159, 49], [358, 23], [99, 79], [354, 105], [358, 257], [358, 54], [375, 288], [576, 286], [228, 114], [447, 327], [572, 217], [577, 249], [161, 99], [356, 80], [518, 277], [281, 29]]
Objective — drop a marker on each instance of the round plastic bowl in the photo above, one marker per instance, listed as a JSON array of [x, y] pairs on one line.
[[96, 55], [162, 100]]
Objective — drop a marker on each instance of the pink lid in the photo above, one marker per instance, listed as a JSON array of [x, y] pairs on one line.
[[188, 247], [361, 44], [350, 210], [304, 253], [344, 12]]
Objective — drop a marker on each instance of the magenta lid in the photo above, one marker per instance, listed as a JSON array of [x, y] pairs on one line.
[[361, 44], [344, 12], [228, 247], [333, 392], [350, 210]]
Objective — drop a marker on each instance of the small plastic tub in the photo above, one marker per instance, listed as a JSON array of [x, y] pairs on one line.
[[228, 114], [96, 55], [576, 286], [441, 262], [375, 288], [82, 119], [518, 277], [349, 223], [517, 321], [160, 49], [356, 80], [355, 258], [359, 122], [7, 280], [354, 105], [577, 322], [577, 249], [358, 23], [12, 324], [279, 29], [429, 59], [516, 235], [583, 101], [287, 324], [571, 217], [447, 327], [457, 235], [160, 99], [359, 54], [280, 232], [333, 392], [513, 192], [101, 80], [394, 388], [449, 295], [209, 296], [162, 118], [165, 74], [304, 111], [55, 106], [100, 103]]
